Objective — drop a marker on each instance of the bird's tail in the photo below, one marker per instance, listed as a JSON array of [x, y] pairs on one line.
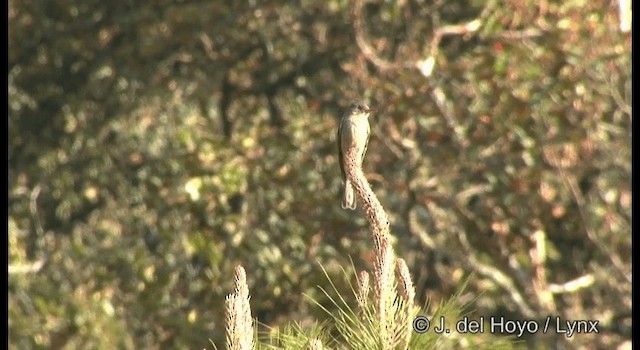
[[349, 197]]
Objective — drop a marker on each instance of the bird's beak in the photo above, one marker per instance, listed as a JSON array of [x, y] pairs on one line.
[[369, 110]]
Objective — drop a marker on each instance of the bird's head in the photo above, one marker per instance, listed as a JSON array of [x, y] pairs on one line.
[[360, 108]]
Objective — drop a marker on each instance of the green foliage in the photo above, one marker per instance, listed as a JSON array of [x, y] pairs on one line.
[[295, 336], [359, 328]]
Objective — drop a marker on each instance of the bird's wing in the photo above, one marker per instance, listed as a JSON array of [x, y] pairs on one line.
[[366, 144]]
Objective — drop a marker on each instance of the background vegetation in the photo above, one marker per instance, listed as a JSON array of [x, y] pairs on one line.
[[154, 146]]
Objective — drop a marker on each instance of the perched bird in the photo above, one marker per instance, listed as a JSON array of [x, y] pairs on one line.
[[353, 132]]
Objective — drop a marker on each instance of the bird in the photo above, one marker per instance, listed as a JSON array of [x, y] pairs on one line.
[[353, 132]]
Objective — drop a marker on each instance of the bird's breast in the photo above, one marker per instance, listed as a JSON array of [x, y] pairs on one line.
[[355, 132]]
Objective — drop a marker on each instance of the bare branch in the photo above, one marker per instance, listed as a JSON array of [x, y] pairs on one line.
[[573, 285], [26, 268], [363, 43]]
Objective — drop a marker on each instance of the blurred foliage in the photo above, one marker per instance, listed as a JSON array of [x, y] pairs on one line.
[[155, 145]]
